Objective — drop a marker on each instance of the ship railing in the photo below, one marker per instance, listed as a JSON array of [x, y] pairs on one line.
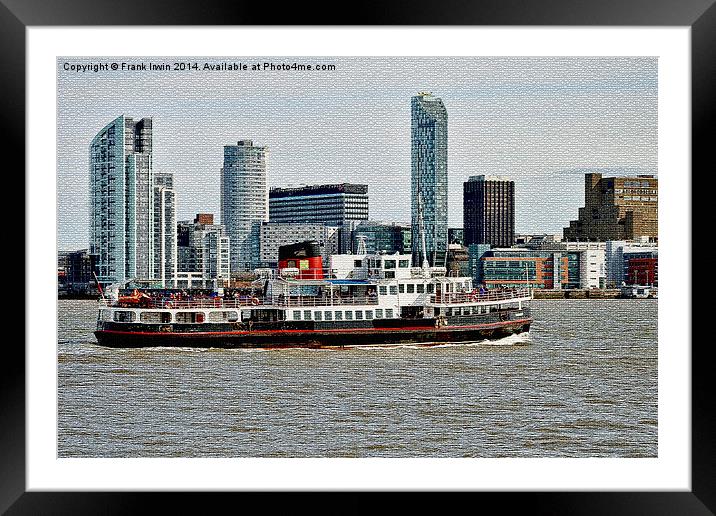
[[479, 297], [245, 302], [289, 301], [164, 303]]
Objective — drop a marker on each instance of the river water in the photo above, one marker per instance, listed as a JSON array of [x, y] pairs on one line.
[[582, 384]]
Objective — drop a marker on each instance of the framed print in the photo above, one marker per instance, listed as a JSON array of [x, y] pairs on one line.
[[419, 253]]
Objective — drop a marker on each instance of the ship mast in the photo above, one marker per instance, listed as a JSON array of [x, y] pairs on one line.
[[421, 227]]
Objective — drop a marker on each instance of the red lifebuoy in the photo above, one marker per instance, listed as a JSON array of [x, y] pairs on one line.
[[254, 301]]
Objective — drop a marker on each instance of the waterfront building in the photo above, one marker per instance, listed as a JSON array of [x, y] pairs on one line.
[[75, 272], [539, 269], [276, 234], [131, 206], [383, 237], [489, 211], [244, 201], [204, 253], [475, 252], [429, 178], [343, 205], [641, 268], [615, 263], [592, 258], [616, 208]]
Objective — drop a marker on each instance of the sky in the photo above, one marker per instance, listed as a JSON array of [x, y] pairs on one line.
[[542, 122]]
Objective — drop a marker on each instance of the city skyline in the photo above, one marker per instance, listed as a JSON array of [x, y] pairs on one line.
[[542, 122]]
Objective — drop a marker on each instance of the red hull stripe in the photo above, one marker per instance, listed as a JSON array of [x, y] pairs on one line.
[[270, 332]]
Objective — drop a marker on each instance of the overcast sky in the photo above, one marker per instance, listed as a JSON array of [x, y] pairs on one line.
[[542, 122]]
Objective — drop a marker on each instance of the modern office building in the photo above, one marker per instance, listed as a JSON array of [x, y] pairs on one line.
[[429, 178], [489, 211], [75, 272], [276, 234], [617, 253], [592, 258], [616, 208], [244, 201], [204, 253], [519, 267], [387, 237], [131, 207], [342, 205], [475, 252], [641, 268]]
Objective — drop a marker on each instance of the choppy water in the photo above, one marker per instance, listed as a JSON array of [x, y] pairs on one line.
[[584, 384]]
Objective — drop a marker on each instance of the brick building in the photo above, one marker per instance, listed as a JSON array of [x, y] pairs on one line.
[[616, 208]]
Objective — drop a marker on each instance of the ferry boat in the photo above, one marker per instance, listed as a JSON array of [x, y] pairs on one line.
[[358, 300]]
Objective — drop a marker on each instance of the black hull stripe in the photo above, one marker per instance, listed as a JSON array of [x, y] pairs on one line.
[[445, 329]]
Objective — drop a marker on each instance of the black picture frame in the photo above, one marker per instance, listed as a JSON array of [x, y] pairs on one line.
[[699, 15]]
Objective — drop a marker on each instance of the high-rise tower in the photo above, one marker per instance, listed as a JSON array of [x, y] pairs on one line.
[[244, 201], [489, 211], [429, 183], [131, 208]]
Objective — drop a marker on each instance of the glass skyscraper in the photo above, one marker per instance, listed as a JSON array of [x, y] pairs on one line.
[[132, 209], [244, 201], [429, 179]]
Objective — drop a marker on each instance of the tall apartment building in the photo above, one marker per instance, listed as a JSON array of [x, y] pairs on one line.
[[489, 211], [244, 201], [276, 234], [203, 252], [132, 208], [429, 178], [616, 208], [342, 205]]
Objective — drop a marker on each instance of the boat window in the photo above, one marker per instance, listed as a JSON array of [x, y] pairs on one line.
[[390, 274], [190, 317], [105, 315], [403, 264], [339, 315], [369, 314], [224, 316], [401, 288], [389, 264], [357, 263], [124, 316], [359, 314], [329, 315], [297, 315], [448, 311], [411, 288], [307, 315], [393, 290], [377, 264], [317, 316], [383, 290], [431, 288], [349, 315], [388, 313], [378, 313], [421, 288], [155, 317]]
